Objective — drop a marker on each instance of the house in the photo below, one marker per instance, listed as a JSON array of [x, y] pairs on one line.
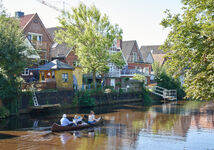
[[59, 72], [31, 73], [37, 34], [113, 77], [65, 54], [152, 53], [39, 38], [136, 64]]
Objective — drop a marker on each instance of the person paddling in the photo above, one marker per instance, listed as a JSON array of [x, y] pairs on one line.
[[91, 118], [65, 122]]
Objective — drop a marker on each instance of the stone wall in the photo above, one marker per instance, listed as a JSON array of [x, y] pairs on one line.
[[67, 97]]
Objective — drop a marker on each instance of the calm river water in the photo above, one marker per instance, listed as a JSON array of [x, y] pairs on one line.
[[178, 125]]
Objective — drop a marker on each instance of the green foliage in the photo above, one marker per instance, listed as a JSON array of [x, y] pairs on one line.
[[139, 77], [3, 112], [145, 94], [13, 60], [117, 59], [89, 34], [85, 99], [118, 84], [166, 80], [190, 47], [109, 87], [126, 79]]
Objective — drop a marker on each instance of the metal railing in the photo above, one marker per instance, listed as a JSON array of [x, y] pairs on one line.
[[165, 93]]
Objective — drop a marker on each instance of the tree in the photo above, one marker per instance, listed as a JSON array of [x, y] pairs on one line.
[[139, 77], [166, 80], [89, 34], [190, 46], [13, 59]]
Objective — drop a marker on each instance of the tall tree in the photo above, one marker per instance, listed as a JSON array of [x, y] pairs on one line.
[[190, 47], [13, 58], [90, 34]]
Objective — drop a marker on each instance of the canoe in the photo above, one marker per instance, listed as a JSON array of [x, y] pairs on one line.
[[58, 128]]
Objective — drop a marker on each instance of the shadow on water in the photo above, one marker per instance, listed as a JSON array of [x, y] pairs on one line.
[[6, 136]]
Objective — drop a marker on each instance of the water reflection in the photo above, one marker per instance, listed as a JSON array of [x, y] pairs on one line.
[[182, 125]]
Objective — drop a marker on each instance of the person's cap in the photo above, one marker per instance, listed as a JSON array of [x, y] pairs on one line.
[[64, 116]]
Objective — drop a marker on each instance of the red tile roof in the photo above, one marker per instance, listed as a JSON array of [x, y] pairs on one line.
[[25, 20]]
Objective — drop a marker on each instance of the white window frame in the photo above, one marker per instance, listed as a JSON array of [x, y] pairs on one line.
[[65, 77], [26, 72], [37, 36]]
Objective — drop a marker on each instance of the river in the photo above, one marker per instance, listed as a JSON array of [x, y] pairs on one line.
[[173, 126]]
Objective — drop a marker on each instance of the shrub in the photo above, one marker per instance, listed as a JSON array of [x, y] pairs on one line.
[[3, 112], [85, 99]]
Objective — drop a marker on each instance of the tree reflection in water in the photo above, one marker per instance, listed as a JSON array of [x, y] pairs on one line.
[[131, 127]]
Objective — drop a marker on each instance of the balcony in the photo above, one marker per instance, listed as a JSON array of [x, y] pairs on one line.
[[40, 45], [131, 72], [113, 74]]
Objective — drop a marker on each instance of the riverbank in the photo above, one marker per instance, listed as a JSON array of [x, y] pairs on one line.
[[69, 99]]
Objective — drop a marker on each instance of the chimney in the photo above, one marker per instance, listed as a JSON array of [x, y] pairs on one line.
[[119, 43], [19, 14]]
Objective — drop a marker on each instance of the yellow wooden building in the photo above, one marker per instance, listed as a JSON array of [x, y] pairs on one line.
[[59, 72]]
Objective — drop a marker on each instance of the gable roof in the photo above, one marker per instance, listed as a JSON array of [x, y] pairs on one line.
[[145, 54], [59, 50], [55, 65], [150, 49], [159, 58], [24, 20], [127, 48]]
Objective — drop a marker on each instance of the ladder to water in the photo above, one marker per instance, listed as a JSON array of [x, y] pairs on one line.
[[164, 93], [35, 101]]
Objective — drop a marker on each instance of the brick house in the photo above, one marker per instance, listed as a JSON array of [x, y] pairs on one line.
[[136, 63], [38, 36]]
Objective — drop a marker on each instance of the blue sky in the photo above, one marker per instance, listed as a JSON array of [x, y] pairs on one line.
[[139, 19]]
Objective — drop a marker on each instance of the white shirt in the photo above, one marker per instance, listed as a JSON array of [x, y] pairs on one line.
[[75, 120], [91, 118], [65, 122]]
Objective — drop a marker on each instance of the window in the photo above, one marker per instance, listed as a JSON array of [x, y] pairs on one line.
[[53, 74], [146, 70], [64, 77], [34, 38], [134, 57], [43, 61], [25, 72], [29, 37], [76, 63], [43, 76], [39, 39]]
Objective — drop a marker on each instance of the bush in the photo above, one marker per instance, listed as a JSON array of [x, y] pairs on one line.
[[85, 99], [145, 94], [166, 80], [3, 112]]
